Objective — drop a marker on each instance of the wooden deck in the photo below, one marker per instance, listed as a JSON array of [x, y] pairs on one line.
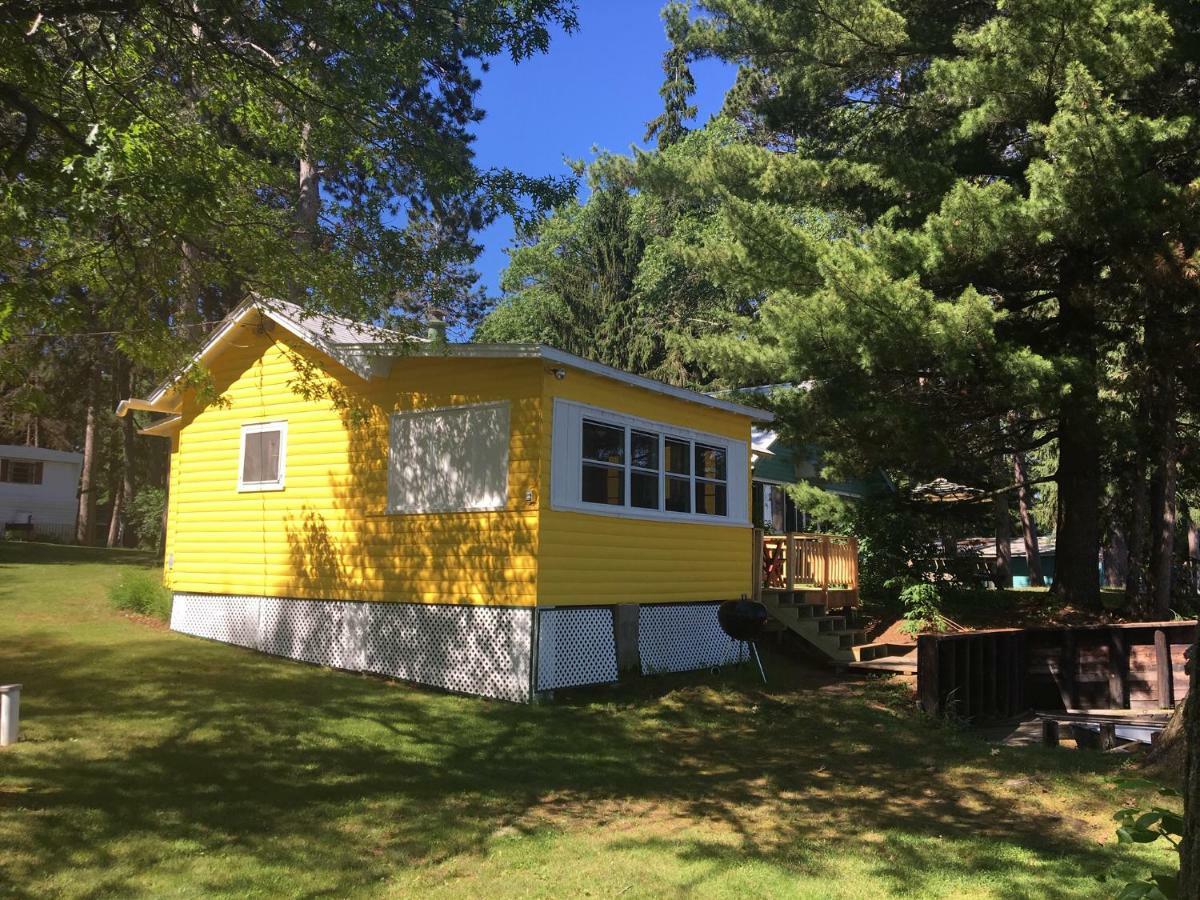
[[822, 566], [809, 584]]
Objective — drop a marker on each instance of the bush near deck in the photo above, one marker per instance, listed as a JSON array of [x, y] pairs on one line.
[[156, 764]]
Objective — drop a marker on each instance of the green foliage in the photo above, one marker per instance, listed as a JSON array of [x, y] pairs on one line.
[[609, 278], [676, 91], [152, 154], [896, 538], [979, 210], [145, 516], [922, 602], [142, 593], [1148, 826]]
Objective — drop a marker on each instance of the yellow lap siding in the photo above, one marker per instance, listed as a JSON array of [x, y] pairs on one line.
[[327, 533], [588, 559], [172, 493], [604, 559]]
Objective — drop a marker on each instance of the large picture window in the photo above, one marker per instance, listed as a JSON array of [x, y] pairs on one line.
[[263, 457], [620, 465]]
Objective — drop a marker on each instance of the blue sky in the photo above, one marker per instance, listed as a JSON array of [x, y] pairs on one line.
[[595, 88]]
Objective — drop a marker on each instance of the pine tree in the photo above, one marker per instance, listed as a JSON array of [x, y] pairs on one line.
[[676, 91], [609, 278], [1004, 179]]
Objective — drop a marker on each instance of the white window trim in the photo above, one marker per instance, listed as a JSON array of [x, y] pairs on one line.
[[393, 506], [566, 461], [275, 484]]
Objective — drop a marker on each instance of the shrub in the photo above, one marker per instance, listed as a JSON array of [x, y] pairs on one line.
[[922, 608], [141, 593]]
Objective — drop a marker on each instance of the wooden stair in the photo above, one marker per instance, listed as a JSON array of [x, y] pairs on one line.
[[897, 659], [834, 635]]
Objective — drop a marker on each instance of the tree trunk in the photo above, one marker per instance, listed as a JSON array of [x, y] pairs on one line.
[[308, 197], [1193, 542], [1028, 524], [1162, 494], [114, 524], [85, 524], [124, 497], [1077, 547], [1162, 551], [1189, 846], [1139, 518], [1002, 573], [1116, 556]]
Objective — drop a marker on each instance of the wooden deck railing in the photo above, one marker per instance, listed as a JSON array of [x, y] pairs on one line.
[[827, 563]]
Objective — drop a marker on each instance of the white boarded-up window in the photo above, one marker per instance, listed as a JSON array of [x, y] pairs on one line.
[[453, 459]]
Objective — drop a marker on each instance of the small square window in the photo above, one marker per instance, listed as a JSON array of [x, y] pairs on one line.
[[264, 449]]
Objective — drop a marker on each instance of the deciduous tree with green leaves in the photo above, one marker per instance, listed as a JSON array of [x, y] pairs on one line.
[[161, 159]]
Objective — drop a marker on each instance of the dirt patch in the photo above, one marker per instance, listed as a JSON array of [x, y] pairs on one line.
[[148, 621]]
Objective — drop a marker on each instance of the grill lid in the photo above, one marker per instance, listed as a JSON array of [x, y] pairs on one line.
[[742, 620]]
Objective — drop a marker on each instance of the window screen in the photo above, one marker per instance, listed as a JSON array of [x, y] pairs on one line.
[[262, 457]]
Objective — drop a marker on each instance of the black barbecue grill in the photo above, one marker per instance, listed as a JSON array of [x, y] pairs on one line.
[[744, 621]]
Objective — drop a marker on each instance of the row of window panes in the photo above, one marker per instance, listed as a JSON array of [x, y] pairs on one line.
[[604, 452], [20, 471]]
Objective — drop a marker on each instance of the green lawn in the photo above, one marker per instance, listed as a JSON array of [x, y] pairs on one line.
[[160, 765]]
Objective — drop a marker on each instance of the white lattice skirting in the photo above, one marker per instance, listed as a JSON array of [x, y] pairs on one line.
[[575, 646], [677, 637], [484, 650], [481, 650]]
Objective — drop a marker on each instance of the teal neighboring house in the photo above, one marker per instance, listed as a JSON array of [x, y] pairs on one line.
[[775, 465], [985, 548]]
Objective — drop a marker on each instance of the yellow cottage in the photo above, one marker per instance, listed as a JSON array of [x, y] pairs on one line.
[[492, 519]]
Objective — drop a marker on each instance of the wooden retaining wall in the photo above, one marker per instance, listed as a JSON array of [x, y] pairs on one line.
[[1001, 673]]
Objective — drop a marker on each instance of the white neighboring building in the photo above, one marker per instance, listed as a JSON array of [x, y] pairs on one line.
[[39, 489]]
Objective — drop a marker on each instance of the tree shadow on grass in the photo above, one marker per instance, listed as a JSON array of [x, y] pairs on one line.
[[151, 756], [34, 553]]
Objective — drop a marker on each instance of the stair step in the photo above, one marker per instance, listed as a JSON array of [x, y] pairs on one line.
[[867, 652], [834, 636], [847, 640], [899, 665]]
